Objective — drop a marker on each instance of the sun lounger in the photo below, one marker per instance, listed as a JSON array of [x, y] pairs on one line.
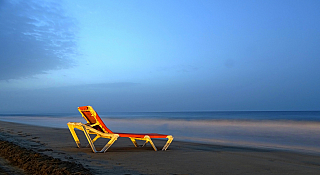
[[95, 126]]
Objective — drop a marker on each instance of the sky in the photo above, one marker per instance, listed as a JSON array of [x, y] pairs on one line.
[[158, 56]]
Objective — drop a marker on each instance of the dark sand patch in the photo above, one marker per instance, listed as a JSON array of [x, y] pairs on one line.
[[36, 163], [6, 168]]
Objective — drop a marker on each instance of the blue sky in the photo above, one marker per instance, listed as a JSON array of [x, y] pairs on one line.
[[159, 56]]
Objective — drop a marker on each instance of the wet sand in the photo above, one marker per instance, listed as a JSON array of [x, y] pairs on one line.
[[180, 158]]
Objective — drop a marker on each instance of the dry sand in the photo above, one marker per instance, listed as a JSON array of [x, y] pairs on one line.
[[180, 158]]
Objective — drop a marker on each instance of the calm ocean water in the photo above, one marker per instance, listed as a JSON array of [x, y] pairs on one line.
[[224, 115], [205, 115]]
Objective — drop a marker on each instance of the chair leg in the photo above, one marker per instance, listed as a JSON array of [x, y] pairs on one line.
[[170, 138], [95, 139], [74, 135], [145, 143], [107, 146], [89, 139], [134, 142], [150, 141]]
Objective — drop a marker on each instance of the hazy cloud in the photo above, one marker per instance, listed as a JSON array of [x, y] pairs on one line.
[[178, 68], [102, 86], [35, 37]]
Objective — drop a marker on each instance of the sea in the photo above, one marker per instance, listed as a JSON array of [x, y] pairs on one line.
[[279, 130]]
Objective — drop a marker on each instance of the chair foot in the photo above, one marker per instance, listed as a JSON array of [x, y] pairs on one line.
[[165, 147]]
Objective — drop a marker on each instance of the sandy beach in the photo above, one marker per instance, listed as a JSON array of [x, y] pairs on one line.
[[180, 158]]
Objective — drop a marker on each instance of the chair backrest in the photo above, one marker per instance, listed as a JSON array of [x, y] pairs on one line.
[[93, 118]]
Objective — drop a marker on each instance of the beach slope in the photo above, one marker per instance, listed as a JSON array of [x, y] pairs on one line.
[[180, 158]]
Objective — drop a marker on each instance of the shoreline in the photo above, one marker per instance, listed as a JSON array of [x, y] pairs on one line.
[[301, 136], [180, 158]]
